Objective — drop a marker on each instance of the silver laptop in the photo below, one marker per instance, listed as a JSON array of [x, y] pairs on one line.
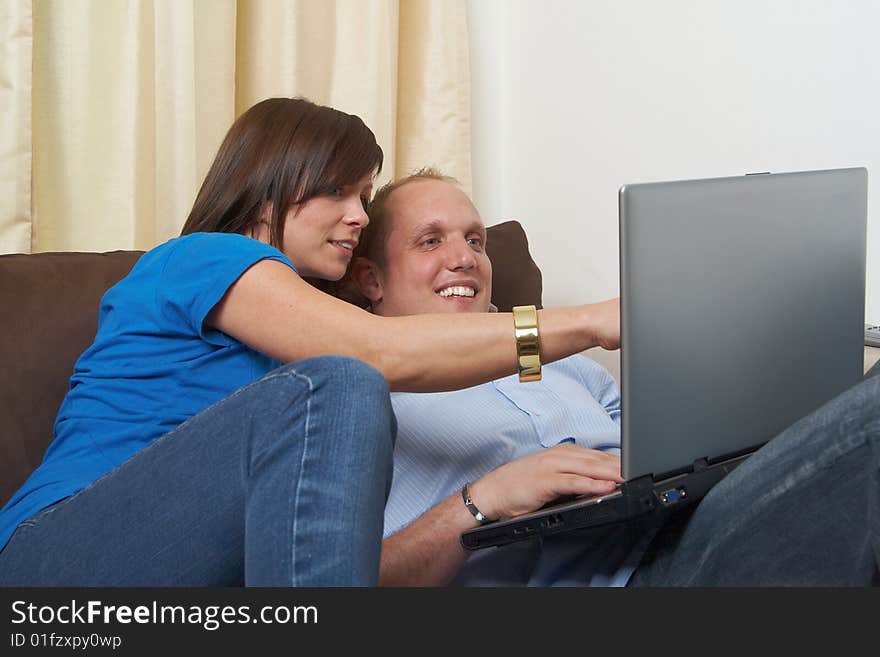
[[742, 310]]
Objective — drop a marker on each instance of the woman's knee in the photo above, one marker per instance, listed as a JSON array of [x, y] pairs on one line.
[[339, 373], [340, 398], [345, 384]]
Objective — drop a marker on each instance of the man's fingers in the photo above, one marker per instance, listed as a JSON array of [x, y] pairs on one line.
[[597, 468], [571, 484], [577, 451]]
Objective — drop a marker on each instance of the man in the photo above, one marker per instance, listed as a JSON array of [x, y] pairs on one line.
[[522, 446]]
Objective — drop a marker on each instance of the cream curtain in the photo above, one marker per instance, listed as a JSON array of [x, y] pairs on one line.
[[433, 94], [131, 99], [15, 127]]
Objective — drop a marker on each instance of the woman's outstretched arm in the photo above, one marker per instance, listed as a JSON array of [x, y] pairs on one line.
[[275, 312]]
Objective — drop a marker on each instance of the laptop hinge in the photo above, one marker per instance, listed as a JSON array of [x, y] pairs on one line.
[[700, 464], [639, 493]]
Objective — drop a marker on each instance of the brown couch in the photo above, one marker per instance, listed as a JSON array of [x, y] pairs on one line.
[[49, 315]]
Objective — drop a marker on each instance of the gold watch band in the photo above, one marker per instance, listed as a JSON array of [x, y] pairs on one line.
[[528, 354]]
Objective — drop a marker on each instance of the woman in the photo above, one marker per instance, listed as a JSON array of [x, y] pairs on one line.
[[231, 424]]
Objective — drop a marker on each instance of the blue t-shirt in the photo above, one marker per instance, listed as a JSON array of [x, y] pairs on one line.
[[153, 365]]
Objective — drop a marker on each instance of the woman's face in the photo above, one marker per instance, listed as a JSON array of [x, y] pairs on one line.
[[321, 234]]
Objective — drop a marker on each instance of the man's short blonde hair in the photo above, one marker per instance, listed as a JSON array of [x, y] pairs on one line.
[[372, 241]]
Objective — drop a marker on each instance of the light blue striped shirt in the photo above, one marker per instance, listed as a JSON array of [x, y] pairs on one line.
[[447, 438]]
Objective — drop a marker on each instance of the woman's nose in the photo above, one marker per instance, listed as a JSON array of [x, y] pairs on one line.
[[355, 215]]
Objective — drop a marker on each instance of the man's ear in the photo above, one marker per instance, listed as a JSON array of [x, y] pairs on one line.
[[365, 274]]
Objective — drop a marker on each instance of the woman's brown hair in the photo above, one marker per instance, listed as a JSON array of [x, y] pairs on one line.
[[281, 151]]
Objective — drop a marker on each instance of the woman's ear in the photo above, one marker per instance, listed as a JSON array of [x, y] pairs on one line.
[[266, 212], [365, 274], [260, 229]]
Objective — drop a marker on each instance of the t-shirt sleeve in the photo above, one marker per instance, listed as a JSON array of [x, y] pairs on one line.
[[200, 270]]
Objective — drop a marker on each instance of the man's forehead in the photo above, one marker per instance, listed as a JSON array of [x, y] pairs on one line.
[[417, 207], [417, 227]]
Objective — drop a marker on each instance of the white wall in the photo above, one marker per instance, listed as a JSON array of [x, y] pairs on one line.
[[572, 99]]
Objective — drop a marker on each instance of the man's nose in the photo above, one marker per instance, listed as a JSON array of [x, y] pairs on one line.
[[460, 255]]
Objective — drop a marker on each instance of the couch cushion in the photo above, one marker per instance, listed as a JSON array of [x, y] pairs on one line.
[[49, 315], [516, 279]]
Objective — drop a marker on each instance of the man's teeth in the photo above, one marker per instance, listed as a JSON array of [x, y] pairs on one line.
[[457, 291]]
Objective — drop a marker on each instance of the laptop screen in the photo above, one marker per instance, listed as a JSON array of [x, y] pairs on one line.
[[742, 310]]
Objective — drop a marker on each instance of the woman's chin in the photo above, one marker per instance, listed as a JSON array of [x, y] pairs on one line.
[[331, 276]]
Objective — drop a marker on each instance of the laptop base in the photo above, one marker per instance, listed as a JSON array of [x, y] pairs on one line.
[[631, 499]]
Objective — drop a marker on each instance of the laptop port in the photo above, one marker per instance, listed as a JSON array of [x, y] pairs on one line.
[[552, 521], [673, 495]]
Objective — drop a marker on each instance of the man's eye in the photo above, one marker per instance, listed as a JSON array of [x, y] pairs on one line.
[[476, 242], [430, 241]]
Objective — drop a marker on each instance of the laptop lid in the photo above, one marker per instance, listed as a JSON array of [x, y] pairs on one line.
[[742, 310]]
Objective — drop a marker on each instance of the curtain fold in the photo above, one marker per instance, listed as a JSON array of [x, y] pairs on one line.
[[16, 39], [128, 101], [342, 54], [433, 100], [128, 104]]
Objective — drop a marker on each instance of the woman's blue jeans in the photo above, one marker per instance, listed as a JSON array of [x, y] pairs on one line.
[[283, 483], [804, 510]]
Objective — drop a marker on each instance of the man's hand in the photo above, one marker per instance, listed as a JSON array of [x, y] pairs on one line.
[[532, 481], [428, 551]]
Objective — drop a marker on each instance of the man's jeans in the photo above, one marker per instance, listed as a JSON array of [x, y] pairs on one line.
[[804, 510], [283, 483]]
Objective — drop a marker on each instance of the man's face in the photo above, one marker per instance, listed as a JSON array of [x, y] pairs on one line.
[[435, 258]]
